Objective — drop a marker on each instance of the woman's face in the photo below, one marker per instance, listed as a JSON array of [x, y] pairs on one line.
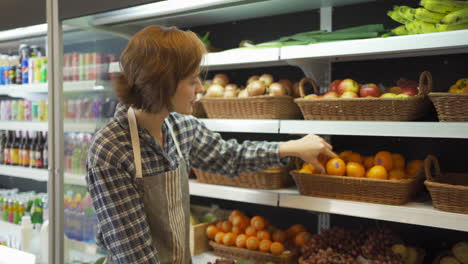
[[185, 95]]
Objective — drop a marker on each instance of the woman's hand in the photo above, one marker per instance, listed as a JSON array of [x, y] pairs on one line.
[[307, 148]]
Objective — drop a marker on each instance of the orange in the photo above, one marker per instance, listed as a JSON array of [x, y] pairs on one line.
[[384, 158], [219, 237], [264, 245], [323, 159], [241, 240], [271, 229], [229, 239], [294, 230], [258, 222], [336, 166], [237, 220], [276, 248], [252, 243], [377, 172], [396, 174], [308, 168], [355, 169], [219, 225], [413, 167], [237, 230], [302, 238], [398, 161], [245, 222], [211, 231], [226, 226], [368, 162], [345, 155], [279, 236], [233, 214], [251, 231], [355, 157], [263, 234]]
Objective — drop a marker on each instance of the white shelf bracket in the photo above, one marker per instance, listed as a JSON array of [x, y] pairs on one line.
[[319, 70], [323, 222], [326, 18]]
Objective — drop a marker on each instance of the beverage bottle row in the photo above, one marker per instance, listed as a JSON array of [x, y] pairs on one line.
[[76, 151], [87, 66], [19, 149], [23, 110], [89, 108], [80, 217], [29, 66], [14, 205]]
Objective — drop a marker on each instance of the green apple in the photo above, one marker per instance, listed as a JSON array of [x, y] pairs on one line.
[[389, 95]]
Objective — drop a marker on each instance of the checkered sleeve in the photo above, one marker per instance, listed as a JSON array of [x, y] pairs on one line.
[[122, 221], [211, 153]]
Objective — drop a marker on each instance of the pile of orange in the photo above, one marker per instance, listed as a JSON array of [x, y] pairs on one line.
[[384, 165], [256, 233]]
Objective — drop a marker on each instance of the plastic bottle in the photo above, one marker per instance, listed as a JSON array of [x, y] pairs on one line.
[[39, 151], [26, 233], [44, 70]]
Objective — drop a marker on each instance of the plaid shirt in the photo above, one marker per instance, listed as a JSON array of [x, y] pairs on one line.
[[122, 226]]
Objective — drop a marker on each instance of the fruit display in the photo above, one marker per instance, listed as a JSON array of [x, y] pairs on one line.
[[383, 165], [432, 16], [257, 234], [220, 87], [457, 255], [349, 88], [374, 246], [461, 86]]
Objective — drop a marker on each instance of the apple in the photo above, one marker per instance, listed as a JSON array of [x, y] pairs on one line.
[[243, 93], [369, 90], [266, 78], [231, 87], [230, 93], [276, 89], [410, 90], [221, 79], [311, 96], [347, 85], [334, 86], [252, 78], [256, 88], [331, 95], [389, 95], [349, 95], [288, 85], [395, 90], [215, 90]]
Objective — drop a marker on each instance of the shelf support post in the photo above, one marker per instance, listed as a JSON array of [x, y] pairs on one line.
[[323, 222], [326, 18]]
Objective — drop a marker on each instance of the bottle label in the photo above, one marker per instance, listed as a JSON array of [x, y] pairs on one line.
[[6, 156], [39, 161], [32, 158], [26, 157], [15, 156]]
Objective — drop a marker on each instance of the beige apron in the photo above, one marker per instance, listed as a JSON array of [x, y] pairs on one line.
[[166, 202]]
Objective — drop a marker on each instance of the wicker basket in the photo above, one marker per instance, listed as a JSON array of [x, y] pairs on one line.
[[198, 110], [393, 192], [366, 109], [255, 257], [449, 191], [256, 107], [451, 107], [421, 255], [264, 179]]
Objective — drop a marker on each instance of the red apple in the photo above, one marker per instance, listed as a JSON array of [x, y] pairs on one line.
[[410, 90], [334, 86], [348, 85], [331, 95], [349, 95], [369, 90]]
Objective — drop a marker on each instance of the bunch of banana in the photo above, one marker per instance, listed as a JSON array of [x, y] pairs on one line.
[[400, 31], [420, 27], [444, 6], [456, 17], [428, 16], [395, 15], [443, 27]]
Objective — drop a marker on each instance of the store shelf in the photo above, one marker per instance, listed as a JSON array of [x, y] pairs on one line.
[[24, 88], [400, 46], [82, 127], [265, 197], [24, 125], [242, 58], [242, 125], [75, 179], [85, 86], [82, 252], [375, 128], [204, 258], [26, 173], [412, 213]]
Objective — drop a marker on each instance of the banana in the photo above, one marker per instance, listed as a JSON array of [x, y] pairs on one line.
[[412, 28], [443, 27], [400, 31], [395, 15], [407, 12], [456, 17], [428, 16], [425, 27], [443, 6]]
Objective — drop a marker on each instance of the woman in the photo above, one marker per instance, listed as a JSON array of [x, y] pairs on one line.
[[137, 165]]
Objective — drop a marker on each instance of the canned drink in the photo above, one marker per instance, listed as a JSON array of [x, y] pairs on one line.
[[88, 65], [81, 67], [24, 71], [2, 74], [75, 65], [14, 110], [37, 70], [35, 111], [7, 108], [20, 116], [66, 66], [27, 110], [6, 75], [41, 110]]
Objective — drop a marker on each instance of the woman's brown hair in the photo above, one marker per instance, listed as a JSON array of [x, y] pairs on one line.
[[154, 61]]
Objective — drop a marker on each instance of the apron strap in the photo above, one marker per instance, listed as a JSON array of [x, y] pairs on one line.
[[135, 141], [174, 138]]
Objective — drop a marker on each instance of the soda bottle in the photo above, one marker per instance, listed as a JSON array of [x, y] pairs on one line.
[[39, 151], [45, 151], [37, 212], [32, 152], [25, 71], [25, 148], [6, 149], [11, 211], [2, 151], [14, 150]]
